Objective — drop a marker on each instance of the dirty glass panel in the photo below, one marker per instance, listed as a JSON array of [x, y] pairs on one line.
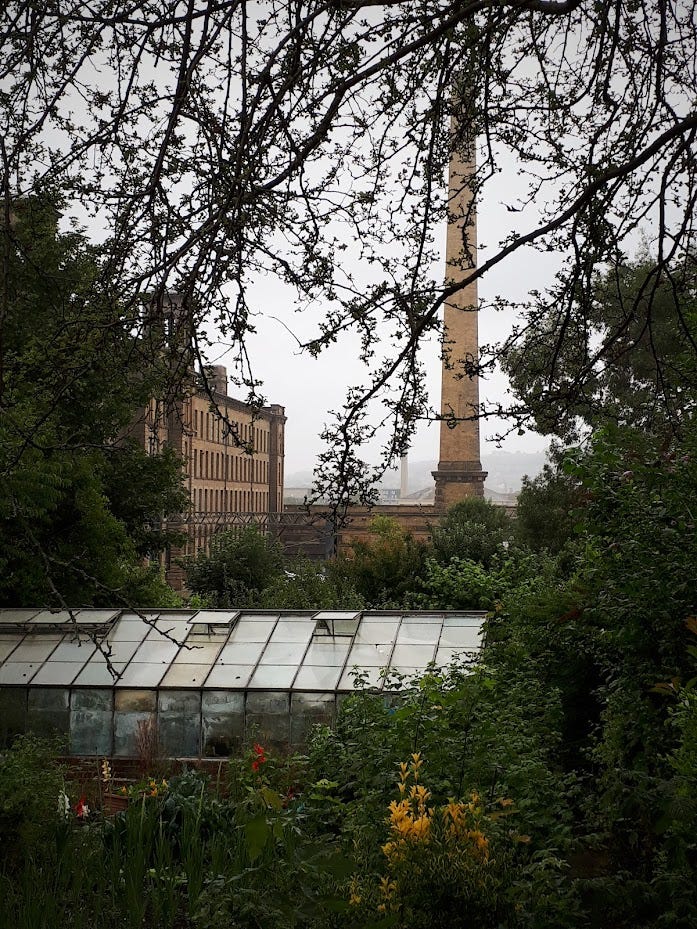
[[252, 631], [435, 618], [120, 652], [462, 636], [129, 630], [96, 674], [241, 653], [418, 634], [48, 711], [230, 675], [74, 651], [377, 632], [179, 723], [268, 719], [18, 672], [327, 653], [58, 672], [46, 617], [307, 711], [195, 653], [8, 645], [413, 655], [316, 678], [91, 722], [176, 628], [134, 721], [215, 617], [142, 674], [474, 618], [366, 655], [16, 616], [406, 671], [135, 701], [36, 648], [283, 653], [370, 675], [96, 616], [273, 676], [259, 617], [222, 723], [332, 627], [186, 675], [293, 630], [444, 656], [13, 713], [160, 651]]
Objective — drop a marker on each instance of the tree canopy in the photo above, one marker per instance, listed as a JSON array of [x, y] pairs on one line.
[[80, 506], [309, 140]]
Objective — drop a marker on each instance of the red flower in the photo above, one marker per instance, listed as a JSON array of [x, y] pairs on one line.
[[260, 756], [82, 811]]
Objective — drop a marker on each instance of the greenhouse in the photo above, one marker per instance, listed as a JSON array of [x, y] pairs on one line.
[[204, 681]]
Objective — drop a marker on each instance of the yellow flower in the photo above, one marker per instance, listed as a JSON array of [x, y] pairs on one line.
[[421, 827], [106, 771]]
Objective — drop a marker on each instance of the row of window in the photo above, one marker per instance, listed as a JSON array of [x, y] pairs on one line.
[[235, 466], [231, 501], [207, 425]]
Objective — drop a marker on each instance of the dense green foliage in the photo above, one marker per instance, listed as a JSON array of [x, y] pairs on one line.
[[79, 509], [235, 569]]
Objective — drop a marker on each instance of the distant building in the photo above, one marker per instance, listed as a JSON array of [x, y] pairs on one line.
[[231, 481]]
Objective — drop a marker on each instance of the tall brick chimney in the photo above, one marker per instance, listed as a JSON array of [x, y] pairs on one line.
[[459, 473]]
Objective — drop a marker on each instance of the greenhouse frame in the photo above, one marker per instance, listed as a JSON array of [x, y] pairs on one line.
[[207, 681]]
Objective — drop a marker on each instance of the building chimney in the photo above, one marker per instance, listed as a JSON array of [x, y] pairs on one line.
[[404, 478], [217, 377]]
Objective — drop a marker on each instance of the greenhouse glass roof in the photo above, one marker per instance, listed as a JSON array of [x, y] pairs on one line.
[[227, 649]]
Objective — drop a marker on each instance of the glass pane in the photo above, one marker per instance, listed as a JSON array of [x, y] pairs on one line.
[[46, 617], [312, 678], [370, 655], [215, 616], [177, 628], [327, 653], [464, 619], [412, 655], [231, 675], [186, 675], [422, 618], [293, 630], [337, 614], [419, 633], [141, 674], [283, 653], [271, 676], [96, 616], [58, 672], [199, 654], [408, 672], [73, 651], [16, 616], [445, 655], [462, 636], [129, 630], [8, 645], [241, 653], [252, 631], [259, 617], [371, 675], [36, 648], [97, 674], [377, 632], [120, 652], [17, 672], [333, 627], [156, 650]]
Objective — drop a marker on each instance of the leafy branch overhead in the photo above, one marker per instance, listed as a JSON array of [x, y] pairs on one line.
[[218, 142]]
